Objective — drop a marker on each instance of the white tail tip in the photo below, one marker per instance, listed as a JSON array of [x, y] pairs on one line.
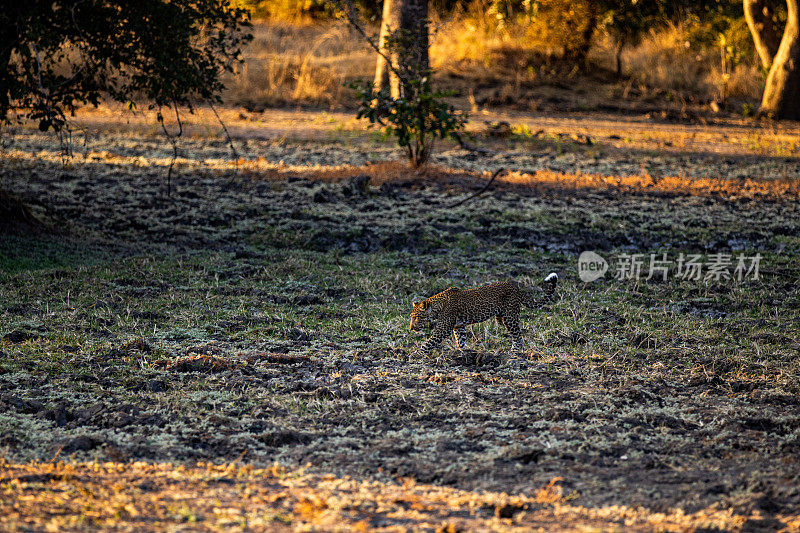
[[552, 277]]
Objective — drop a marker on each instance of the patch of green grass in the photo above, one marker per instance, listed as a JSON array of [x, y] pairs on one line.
[[29, 253]]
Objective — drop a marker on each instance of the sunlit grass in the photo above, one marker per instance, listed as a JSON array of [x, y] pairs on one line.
[[222, 497], [308, 63]]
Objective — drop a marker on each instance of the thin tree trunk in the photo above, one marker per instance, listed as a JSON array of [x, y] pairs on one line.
[[390, 23], [759, 17], [5, 58], [408, 21], [782, 92], [618, 56]]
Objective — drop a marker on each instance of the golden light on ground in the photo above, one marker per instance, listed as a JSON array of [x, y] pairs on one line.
[[141, 496], [668, 184], [437, 175]]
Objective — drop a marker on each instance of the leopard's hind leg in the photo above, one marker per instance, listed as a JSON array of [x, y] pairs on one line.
[[511, 322]]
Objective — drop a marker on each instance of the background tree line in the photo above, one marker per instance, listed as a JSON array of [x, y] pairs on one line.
[[572, 25], [57, 56]]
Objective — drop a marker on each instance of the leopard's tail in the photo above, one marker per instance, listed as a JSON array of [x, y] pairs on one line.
[[550, 282], [544, 291]]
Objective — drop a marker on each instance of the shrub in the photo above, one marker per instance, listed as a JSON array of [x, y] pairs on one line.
[[416, 119]]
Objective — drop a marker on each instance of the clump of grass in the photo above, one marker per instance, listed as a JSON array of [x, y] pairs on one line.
[[672, 59], [120, 495]]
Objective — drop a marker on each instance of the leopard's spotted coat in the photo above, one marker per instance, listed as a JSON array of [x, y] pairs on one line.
[[454, 309]]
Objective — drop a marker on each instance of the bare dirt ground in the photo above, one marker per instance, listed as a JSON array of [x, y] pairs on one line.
[[258, 314]]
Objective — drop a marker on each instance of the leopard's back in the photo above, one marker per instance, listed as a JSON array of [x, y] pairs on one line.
[[499, 299], [456, 307]]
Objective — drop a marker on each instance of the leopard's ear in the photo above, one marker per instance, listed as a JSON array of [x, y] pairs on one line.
[[416, 304]]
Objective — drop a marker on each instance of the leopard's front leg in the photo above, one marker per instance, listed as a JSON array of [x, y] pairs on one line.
[[440, 333], [460, 333]]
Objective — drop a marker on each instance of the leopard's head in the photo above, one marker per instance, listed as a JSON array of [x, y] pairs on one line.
[[422, 316]]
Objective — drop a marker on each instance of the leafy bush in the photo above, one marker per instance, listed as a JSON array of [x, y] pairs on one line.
[[416, 120]]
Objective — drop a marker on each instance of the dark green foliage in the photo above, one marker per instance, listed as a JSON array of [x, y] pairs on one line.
[[56, 56], [416, 119]]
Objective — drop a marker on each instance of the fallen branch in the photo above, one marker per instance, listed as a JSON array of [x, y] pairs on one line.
[[485, 188], [471, 147]]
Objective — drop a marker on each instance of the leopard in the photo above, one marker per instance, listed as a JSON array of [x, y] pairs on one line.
[[453, 309]]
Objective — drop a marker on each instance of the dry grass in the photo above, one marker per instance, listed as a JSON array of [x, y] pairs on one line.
[[290, 64], [469, 37], [668, 60], [480, 35], [308, 64], [676, 396], [723, 188], [233, 497]]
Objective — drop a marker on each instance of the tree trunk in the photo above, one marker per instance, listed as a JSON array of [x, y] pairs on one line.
[[407, 21], [412, 59], [580, 50], [782, 92], [390, 23], [6, 48], [618, 56], [759, 17]]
